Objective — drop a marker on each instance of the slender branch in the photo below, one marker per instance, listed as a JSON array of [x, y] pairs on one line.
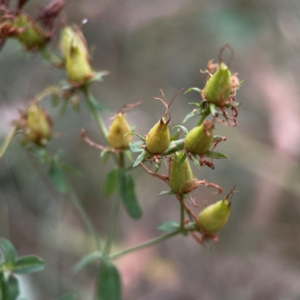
[[84, 216], [90, 99], [143, 245]]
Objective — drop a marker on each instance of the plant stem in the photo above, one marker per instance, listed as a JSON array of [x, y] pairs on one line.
[[181, 216], [90, 99], [84, 216], [144, 245]]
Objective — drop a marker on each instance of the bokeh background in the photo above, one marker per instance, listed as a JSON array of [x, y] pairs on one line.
[[147, 46]]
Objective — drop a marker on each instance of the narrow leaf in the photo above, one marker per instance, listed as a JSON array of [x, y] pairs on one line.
[[57, 177], [128, 155], [215, 155], [128, 196], [135, 147], [183, 158], [136, 134], [194, 104], [212, 108], [195, 160], [195, 89], [109, 282], [165, 193], [87, 259], [181, 128], [28, 264], [9, 252], [141, 158], [105, 154], [169, 226], [111, 182], [195, 112]]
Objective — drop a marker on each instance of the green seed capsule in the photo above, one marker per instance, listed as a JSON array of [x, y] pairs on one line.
[[74, 50], [181, 177], [158, 138], [218, 88], [33, 37], [117, 131], [213, 218], [200, 138], [37, 126]]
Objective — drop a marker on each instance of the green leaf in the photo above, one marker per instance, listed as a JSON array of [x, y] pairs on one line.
[[212, 108], [9, 252], [109, 282], [28, 264], [195, 112], [135, 147], [195, 160], [215, 155], [57, 177], [87, 259], [169, 226], [165, 193], [128, 196], [136, 134], [68, 296], [236, 104], [217, 137], [105, 154], [13, 287], [111, 182], [128, 155], [145, 154], [182, 128], [5, 293], [174, 146], [195, 89], [195, 104], [183, 158]]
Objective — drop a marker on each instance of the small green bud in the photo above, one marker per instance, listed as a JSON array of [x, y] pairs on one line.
[[213, 218], [36, 126], [74, 50], [158, 138], [200, 138], [218, 87], [31, 36], [181, 177], [117, 131]]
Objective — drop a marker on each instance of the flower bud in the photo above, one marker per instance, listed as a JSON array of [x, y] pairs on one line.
[[74, 50], [213, 218], [32, 37], [158, 138], [181, 177], [117, 131], [200, 138], [36, 126], [218, 87]]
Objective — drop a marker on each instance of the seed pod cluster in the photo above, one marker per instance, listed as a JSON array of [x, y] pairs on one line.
[[117, 131]]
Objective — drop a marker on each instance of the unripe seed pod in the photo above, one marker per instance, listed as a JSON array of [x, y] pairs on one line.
[[213, 218], [75, 52], [218, 88], [158, 138], [117, 131], [37, 126], [33, 36], [200, 138], [181, 177]]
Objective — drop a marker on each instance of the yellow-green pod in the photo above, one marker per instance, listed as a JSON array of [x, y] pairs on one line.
[[37, 126], [33, 36], [117, 131], [213, 218], [158, 138], [200, 138], [218, 88], [74, 50], [181, 176]]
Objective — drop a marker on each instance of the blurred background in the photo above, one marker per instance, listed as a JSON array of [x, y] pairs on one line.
[[147, 46]]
